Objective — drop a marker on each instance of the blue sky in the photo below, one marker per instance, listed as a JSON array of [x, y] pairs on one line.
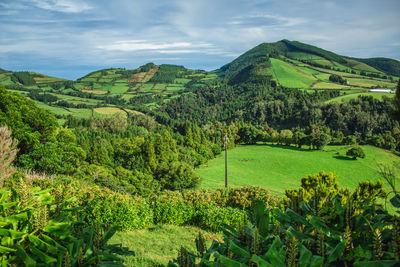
[[69, 38]]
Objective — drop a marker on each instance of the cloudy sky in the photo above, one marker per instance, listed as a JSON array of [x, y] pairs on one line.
[[69, 38]]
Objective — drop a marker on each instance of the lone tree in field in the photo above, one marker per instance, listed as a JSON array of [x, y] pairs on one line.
[[356, 152]]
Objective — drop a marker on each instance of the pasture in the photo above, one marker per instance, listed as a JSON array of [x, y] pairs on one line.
[[277, 168], [290, 76], [349, 97], [108, 111]]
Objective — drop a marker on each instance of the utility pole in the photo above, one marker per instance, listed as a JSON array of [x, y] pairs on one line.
[[226, 139]]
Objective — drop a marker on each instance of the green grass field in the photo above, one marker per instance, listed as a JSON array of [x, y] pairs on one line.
[[328, 85], [277, 168], [160, 244], [290, 76], [348, 97]]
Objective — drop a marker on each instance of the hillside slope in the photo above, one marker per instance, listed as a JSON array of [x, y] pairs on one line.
[[294, 64]]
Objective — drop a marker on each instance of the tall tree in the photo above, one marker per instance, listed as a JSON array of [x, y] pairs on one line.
[[396, 111]]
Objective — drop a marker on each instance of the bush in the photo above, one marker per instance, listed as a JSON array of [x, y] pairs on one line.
[[170, 208], [355, 152], [213, 217]]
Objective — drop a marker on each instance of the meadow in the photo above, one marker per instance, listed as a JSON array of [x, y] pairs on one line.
[[289, 76], [277, 167]]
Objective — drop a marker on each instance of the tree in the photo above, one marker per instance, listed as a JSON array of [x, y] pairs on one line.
[[396, 110], [355, 152], [337, 79], [248, 134], [8, 152]]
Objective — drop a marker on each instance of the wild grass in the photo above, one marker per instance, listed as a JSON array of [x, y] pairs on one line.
[[159, 244]]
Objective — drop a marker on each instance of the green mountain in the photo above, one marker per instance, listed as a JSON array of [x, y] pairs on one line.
[[294, 64]]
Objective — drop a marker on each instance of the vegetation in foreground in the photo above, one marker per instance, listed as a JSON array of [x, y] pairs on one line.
[[321, 224], [158, 245]]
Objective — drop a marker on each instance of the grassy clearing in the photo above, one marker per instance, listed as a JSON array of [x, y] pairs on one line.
[[160, 86], [160, 244], [328, 85], [109, 111], [277, 168], [371, 83], [119, 88], [290, 76], [95, 92], [348, 97], [182, 80], [360, 65], [147, 86]]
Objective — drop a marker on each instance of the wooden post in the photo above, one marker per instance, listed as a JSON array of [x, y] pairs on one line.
[[226, 139]]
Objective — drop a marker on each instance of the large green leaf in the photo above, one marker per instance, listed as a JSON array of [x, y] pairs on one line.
[[11, 233], [88, 250], [228, 262], [261, 217], [8, 205], [4, 194], [318, 224], [15, 218], [273, 254], [261, 262], [51, 241], [43, 245], [109, 234], [23, 256], [395, 201], [43, 256], [317, 261], [238, 250], [337, 252], [297, 217], [305, 256], [6, 250]]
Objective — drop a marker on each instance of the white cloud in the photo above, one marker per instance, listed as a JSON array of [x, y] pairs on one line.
[[137, 45], [66, 6]]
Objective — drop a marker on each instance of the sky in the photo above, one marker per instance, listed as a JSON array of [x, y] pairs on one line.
[[70, 38]]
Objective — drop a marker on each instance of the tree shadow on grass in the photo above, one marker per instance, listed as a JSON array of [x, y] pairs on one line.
[[285, 147], [342, 157]]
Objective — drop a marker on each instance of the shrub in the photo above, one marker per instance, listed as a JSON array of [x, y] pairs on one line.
[[170, 208], [213, 217], [355, 152]]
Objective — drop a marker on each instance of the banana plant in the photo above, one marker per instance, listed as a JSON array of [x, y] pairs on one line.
[[37, 231]]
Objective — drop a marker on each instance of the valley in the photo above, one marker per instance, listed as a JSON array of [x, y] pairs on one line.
[[126, 166]]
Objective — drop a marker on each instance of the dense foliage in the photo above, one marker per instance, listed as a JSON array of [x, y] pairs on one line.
[[322, 225], [39, 228]]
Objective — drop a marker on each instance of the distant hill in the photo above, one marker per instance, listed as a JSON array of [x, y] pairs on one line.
[[294, 64], [388, 65]]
